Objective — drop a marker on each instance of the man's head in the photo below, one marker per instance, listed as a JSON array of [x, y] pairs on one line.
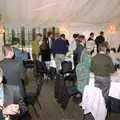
[[50, 34], [76, 36], [15, 42], [102, 48], [91, 35], [8, 51], [62, 36], [81, 38], [38, 36], [102, 33]]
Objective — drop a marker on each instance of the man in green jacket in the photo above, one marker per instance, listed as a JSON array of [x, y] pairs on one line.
[[102, 66]]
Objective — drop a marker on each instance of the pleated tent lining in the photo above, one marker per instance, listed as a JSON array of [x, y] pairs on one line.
[[59, 11], [81, 16]]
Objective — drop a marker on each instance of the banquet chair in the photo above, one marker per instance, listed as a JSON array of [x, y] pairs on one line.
[[40, 71], [32, 98]]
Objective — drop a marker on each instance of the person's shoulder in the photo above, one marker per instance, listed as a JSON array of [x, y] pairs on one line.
[[17, 62], [11, 87], [97, 37], [108, 56], [95, 56]]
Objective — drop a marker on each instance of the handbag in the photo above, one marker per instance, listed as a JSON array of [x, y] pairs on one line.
[[66, 67]]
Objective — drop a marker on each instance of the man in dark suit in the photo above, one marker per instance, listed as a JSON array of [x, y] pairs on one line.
[[100, 40], [14, 70], [12, 106]]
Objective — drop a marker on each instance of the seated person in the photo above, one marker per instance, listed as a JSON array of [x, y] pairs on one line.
[[25, 56], [14, 70], [12, 106]]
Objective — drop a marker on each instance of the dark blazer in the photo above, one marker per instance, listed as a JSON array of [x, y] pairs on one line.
[[99, 40], [45, 50], [59, 46], [14, 72], [12, 96]]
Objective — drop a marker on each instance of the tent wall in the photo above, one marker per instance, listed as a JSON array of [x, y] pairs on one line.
[[112, 37]]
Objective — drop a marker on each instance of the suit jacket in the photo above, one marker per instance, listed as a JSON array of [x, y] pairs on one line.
[[99, 40], [14, 72], [45, 50], [12, 96]]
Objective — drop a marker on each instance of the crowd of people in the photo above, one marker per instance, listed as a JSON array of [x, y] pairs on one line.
[[93, 55]]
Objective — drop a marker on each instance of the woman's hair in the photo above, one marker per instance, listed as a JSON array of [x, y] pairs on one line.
[[4, 81], [75, 35]]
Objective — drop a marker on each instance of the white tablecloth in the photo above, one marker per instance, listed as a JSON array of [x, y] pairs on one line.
[[93, 100], [115, 86]]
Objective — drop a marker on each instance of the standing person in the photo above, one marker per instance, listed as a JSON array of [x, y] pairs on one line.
[[79, 49], [102, 66], [36, 46], [45, 51], [46, 48], [74, 45], [90, 44], [83, 70], [91, 37], [99, 40], [50, 39], [59, 48], [14, 70]]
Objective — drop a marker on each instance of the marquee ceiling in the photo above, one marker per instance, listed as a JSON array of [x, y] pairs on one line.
[[95, 12]]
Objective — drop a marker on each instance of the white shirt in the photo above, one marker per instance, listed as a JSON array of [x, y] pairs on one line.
[[50, 42]]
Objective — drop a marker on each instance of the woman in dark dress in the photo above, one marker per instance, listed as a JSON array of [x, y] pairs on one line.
[[45, 51]]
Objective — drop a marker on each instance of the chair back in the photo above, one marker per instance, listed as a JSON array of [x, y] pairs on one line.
[[66, 67], [40, 67]]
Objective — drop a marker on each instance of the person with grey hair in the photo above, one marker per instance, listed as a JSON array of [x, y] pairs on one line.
[[13, 70], [102, 66]]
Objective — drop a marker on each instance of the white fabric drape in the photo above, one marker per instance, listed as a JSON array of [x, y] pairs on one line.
[[77, 11], [83, 16], [93, 101]]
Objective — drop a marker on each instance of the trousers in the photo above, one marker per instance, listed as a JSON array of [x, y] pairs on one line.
[[104, 84], [59, 58]]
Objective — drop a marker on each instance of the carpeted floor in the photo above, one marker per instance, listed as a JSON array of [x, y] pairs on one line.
[[51, 110]]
